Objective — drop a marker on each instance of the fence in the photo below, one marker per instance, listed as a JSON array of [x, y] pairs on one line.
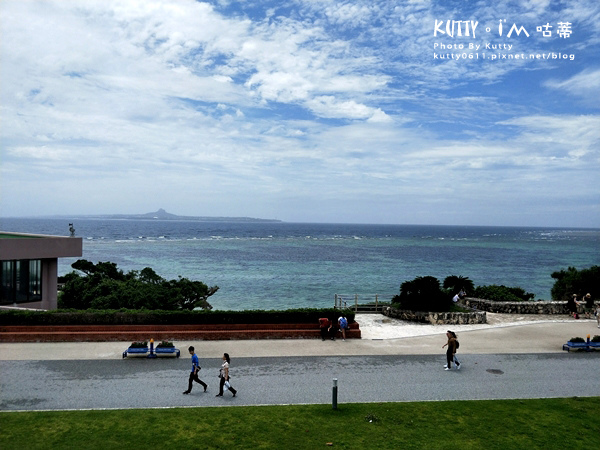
[[359, 303]]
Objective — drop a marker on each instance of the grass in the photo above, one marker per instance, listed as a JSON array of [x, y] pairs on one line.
[[571, 423]]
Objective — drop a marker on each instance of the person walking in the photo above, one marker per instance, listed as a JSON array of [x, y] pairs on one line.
[[194, 373], [224, 376], [451, 352]]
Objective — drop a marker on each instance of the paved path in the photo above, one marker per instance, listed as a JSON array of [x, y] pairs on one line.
[[142, 383], [392, 362], [538, 337]]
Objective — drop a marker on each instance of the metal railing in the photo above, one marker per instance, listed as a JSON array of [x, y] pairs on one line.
[[359, 303]]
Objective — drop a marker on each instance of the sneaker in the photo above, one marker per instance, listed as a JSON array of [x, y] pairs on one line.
[[205, 388], [458, 366], [447, 368], [186, 392]]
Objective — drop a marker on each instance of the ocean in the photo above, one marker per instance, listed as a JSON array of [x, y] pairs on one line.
[[296, 265]]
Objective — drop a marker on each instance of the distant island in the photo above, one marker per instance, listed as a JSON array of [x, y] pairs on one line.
[[161, 214]]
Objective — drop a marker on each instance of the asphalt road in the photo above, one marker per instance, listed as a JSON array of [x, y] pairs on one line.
[[145, 383]]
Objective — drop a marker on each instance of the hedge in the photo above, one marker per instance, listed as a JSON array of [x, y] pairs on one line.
[[160, 317]]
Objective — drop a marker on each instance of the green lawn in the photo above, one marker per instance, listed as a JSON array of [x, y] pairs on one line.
[[569, 423]]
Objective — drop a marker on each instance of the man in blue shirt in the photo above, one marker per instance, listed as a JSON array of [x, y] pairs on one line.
[[194, 373]]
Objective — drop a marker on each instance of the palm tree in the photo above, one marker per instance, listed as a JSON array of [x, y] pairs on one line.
[[422, 294], [456, 283]]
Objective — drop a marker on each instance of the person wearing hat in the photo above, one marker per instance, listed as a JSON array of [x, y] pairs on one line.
[[572, 306], [589, 306]]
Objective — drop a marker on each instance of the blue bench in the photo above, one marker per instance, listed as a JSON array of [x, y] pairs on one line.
[[145, 351], [587, 346], [135, 351], [167, 351]]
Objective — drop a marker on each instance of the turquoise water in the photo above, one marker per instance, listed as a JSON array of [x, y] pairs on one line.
[[288, 265]]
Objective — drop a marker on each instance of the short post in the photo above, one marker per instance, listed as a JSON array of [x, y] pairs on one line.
[[376, 300], [152, 354], [334, 394], [336, 302], [355, 302]]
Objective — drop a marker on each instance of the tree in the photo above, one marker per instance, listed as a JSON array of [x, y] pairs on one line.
[[423, 294], [148, 275], [103, 269], [572, 281], [454, 284], [104, 286]]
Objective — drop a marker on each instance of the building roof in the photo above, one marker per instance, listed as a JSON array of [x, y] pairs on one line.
[[38, 246]]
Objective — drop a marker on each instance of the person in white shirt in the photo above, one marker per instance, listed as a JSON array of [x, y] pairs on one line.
[[224, 376]]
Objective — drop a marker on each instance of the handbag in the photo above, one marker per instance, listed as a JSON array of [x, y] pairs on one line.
[[226, 386]]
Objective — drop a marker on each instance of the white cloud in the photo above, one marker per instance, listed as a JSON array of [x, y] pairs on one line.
[[328, 106], [576, 136], [337, 104], [585, 84]]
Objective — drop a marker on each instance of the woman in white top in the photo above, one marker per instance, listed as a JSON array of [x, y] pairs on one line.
[[224, 376]]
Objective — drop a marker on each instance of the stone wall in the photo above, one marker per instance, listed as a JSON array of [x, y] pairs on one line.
[[542, 307], [437, 318]]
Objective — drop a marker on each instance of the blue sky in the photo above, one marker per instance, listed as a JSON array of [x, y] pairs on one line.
[[307, 111]]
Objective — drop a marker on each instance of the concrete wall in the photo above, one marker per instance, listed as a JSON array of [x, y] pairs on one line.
[[22, 246], [49, 284]]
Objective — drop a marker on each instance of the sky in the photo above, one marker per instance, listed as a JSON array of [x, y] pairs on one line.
[[303, 110]]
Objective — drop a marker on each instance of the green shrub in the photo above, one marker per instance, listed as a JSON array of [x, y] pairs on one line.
[[159, 317], [454, 284], [138, 345], [422, 294], [500, 293], [577, 339], [104, 286], [572, 281], [596, 338], [164, 344], [456, 307]]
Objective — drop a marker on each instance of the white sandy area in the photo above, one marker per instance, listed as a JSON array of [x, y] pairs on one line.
[[378, 326]]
